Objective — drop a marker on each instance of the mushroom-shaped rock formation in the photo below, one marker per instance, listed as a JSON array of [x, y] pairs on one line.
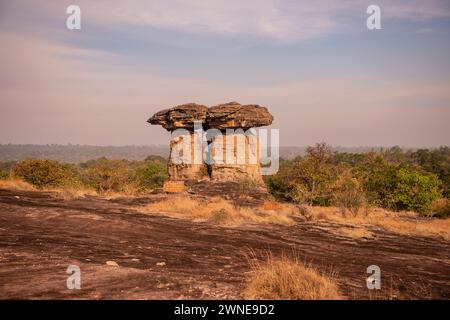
[[233, 155], [236, 154], [185, 160]]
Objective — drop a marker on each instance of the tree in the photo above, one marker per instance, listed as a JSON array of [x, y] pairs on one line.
[[348, 193], [44, 173], [415, 191]]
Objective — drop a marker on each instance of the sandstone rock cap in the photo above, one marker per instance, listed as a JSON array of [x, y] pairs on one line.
[[182, 116], [229, 115], [234, 115]]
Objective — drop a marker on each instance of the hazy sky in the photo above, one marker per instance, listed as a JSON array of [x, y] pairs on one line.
[[322, 74]]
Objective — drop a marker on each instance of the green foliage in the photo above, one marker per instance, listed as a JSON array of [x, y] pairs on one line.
[[306, 180], [348, 193], [156, 158], [44, 173], [151, 175], [279, 185], [379, 181], [106, 175], [389, 178], [415, 191], [437, 162], [102, 175], [5, 169], [4, 174]]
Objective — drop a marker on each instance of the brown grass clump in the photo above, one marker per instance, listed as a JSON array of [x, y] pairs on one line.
[[289, 279], [16, 184], [406, 223], [217, 210]]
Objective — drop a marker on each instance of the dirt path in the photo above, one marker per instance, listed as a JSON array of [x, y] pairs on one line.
[[165, 258]]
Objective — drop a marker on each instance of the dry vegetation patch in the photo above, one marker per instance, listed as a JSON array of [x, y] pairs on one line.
[[16, 184], [219, 211], [289, 279], [356, 233], [71, 193], [406, 223]]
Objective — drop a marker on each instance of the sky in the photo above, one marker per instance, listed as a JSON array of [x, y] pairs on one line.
[[316, 66]]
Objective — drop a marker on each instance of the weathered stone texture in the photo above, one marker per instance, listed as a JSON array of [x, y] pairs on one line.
[[182, 116], [185, 160], [235, 156], [235, 115]]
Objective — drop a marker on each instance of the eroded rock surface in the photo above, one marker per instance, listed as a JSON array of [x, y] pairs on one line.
[[42, 234], [234, 115], [182, 116]]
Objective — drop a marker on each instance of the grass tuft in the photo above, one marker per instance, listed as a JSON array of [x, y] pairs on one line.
[[289, 279]]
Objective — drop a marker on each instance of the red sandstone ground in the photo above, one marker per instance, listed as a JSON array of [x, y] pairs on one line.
[[164, 258]]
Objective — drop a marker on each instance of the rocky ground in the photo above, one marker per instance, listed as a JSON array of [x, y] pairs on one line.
[[157, 257]]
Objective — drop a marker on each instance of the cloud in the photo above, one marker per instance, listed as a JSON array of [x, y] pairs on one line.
[[275, 20], [58, 87], [286, 20]]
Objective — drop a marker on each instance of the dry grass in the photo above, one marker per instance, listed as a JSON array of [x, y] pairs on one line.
[[65, 192], [16, 184], [289, 279], [406, 223], [70, 193], [355, 233], [217, 210]]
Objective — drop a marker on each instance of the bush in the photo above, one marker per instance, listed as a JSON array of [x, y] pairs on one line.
[[151, 175], [44, 173], [4, 174], [106, 175], [306, 180], [415, 191], [5, 169], [279, 185], [435, 161], [379, 181], [348, 193], [156, 158], [440, 208]]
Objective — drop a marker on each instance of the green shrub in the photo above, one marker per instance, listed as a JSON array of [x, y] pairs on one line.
[[306, 180], [379, 181], [280, 184], [393, 179], [151, 175], [156, 158], [44, 173], [415, 191], [435, 161], [106, 175], [5, 169], [4, 174], [348, 193]]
